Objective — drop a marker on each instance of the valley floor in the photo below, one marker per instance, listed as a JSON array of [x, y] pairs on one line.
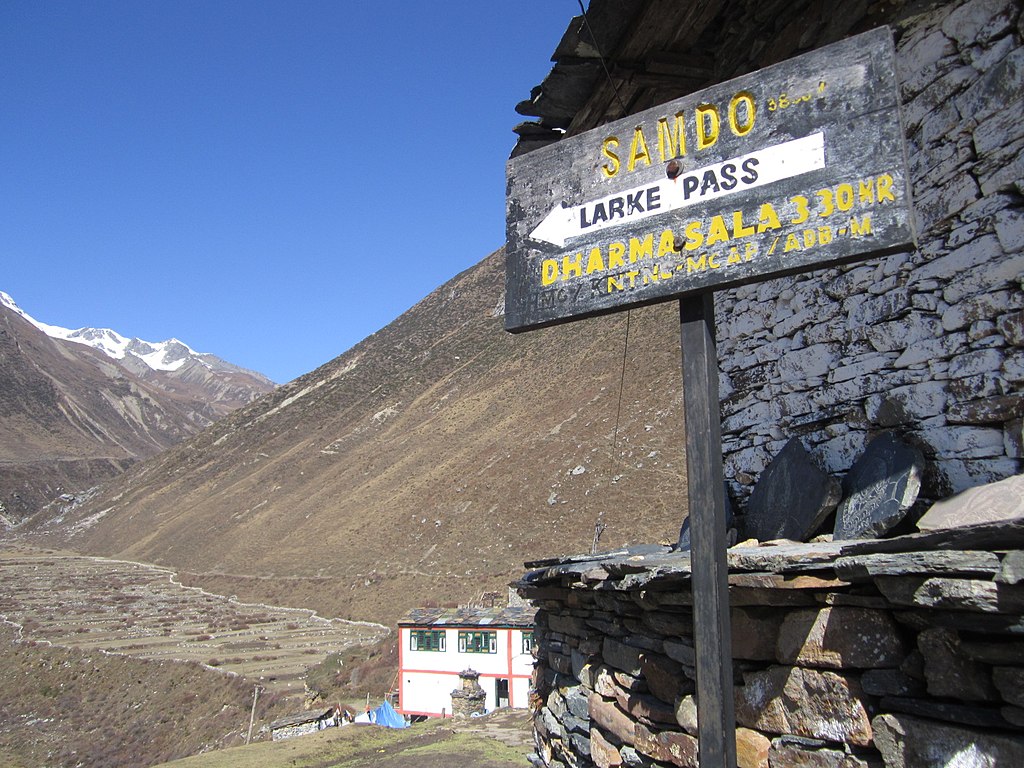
[[139, 610], [110, 663]]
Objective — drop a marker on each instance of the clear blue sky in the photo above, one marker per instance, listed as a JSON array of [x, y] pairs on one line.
[[267, 181]]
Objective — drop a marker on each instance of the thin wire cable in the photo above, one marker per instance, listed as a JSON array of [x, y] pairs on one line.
[[622, 386], [614, 89], [604, 64], [599, 525]]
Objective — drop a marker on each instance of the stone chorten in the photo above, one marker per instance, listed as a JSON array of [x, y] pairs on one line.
[[468, 699]]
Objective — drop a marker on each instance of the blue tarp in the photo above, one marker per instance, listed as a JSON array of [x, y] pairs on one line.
[[385, 715]]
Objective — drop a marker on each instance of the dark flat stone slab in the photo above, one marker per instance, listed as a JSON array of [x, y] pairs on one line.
[[995, 536], [945, 549], [978, 623], [879, 489], [952, 563], [997, 654], [788, 557], [891, 682], [944, 593], [963, 714], [625, 552], [792, 498]]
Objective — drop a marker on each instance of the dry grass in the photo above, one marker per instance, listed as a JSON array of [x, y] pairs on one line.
[[74, 707], [360, 671], [426, 463]]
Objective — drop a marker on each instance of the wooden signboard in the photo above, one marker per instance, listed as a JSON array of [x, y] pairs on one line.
[[797, 166]]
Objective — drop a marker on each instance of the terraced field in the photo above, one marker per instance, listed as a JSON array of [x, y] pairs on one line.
[[142, 611]]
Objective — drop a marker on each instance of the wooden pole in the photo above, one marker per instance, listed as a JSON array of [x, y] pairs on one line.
[[252, 714], [716, 719]]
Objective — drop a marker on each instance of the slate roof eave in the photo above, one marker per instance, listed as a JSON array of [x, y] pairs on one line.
[[577, 70], [634, 568], [497, 618]]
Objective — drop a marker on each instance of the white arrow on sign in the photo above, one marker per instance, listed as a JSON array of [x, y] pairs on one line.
[[756, 169]]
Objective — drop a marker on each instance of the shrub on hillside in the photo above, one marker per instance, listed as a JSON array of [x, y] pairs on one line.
[[356, 672]]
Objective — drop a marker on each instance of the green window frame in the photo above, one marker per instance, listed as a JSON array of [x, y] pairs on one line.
[[473, 641], [426, 640], [529, 642]]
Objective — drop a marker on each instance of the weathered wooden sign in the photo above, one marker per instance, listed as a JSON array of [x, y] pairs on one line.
[[797, 166]]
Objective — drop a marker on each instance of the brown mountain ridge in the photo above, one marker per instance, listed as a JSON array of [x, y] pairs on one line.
[[424, 464], [71, 416]]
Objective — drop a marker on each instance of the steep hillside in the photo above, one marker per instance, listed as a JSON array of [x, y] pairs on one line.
[[71, 415], [426, 463], [73, 707]]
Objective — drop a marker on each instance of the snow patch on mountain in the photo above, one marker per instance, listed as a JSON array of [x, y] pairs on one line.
[[167, 355]]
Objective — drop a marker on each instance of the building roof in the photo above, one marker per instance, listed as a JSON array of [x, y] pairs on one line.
[[519, 617], [303, 717], [655, 51]]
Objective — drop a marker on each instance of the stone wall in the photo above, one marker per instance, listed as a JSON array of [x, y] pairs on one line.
[[929, 343], [902, 653], [297, 729]]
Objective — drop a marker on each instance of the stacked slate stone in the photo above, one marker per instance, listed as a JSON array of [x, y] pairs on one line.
[[901, 653], [929, 342]]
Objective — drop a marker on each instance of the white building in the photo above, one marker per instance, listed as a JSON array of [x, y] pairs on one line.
[[436, 644]]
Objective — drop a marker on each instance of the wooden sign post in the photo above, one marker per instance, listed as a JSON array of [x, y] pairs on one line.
[[716, 720], [798, 166]]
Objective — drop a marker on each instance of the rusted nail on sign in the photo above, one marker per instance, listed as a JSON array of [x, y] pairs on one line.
[[796, 166]]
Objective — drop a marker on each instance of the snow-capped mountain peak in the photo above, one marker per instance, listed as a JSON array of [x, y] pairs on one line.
[[167, 355], [90, 401], [111, 343]]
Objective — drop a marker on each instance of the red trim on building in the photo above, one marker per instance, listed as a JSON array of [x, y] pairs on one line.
[[511, 688], [431, 672], [456, 674], [401, 684]]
